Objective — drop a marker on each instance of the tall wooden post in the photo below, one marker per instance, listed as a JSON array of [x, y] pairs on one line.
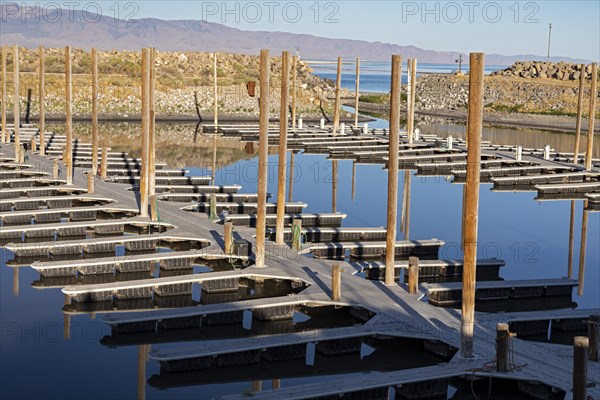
[[336, 282], [294, 89], [580, 373], [408, 97], [94, 111], [263, 147], [413, 275], [143, 350], [16, 111], [215, 93], [594, 336], [392, 195], [213, 170], [338, 84], [145, 137], [69, 113], [591, 118], [152, 123], [42, 95], [90, 182], [356, 93], [571, 240], [5, 136], [413, 88], [228, 237], [474, 128], [581, 276], [104, 163], [283, 124], [502, 340], [579, 114]]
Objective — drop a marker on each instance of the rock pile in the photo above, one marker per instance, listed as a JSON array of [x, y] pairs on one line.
[[549, 70]]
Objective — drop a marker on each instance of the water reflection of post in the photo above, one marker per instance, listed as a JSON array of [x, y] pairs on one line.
[[67, 320], [353, 179], [15, 281], [571, 234], [582, 249], [406, 205], [291, 175], [214, 160], [334, 178], [143, 351]]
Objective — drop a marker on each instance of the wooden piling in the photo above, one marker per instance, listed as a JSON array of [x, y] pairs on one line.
[[356, 93], [276, 384], [580, 373], [69, 114], [579, 114], [262, 159], [5, 136], [104, 163], [256, 386], [294, 89], [392, 195], [338, 84], [145, 137], [283, 124], [336, 282], [297, 234], [215, 93], [152, 123], [408, 98], [94, 111], [33, 144], [55, 169], [413, 89], [90, 182], [143, 350], [213, 206], [42, 95], [228, 237], [474, 128], [591, 118], [502, 338], [581, 275], [571, 240], [594, 336], [153, 200], [16, 111], [413, 275]]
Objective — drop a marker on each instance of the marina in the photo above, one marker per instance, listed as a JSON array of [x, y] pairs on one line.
[[214, 285]]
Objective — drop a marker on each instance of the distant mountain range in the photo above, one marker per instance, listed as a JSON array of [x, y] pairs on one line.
[[59, 28]]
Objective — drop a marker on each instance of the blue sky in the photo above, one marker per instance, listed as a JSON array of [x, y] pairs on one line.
[[504, 27]]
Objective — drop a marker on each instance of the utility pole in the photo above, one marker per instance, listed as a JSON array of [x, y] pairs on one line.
[[549, 36]]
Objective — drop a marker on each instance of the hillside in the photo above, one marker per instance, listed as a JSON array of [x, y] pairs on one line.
[[59, 28]]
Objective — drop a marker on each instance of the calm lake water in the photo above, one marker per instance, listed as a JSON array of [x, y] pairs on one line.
[[375, 75], [36, 361]]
